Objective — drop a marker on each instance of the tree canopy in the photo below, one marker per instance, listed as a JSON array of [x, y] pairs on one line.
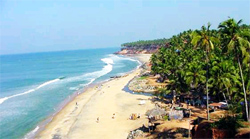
[[141, 44], [208, 62]]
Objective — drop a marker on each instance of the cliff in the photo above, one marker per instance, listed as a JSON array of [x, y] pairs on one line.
[[135, 50], [143, 46]]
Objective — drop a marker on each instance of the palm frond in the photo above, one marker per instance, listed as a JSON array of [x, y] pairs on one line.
[[239, 22]]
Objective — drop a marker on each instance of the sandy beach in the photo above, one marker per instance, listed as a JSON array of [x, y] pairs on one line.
[[78, 119]]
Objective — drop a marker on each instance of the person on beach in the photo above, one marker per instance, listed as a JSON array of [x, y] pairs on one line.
[[76, 104], [113, 117], [97, 120], [130, 117]]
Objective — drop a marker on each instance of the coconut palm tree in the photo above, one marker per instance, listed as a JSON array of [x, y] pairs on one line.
[[224, 75], [247, 83], [195, 75], [238, 43], [203, 39], [159, 63]]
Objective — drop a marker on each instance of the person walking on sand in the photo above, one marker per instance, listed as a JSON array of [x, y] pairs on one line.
[[113, 117], [97, 120]]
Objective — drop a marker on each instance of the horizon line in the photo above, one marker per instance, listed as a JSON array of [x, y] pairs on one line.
[[58, 50]]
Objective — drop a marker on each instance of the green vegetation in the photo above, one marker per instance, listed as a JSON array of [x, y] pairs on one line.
[[165, 117], [229, 123], [208, 62], [146, 44], [143, 77]]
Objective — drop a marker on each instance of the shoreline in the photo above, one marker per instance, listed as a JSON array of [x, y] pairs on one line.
[[41, 125], [50, 128]]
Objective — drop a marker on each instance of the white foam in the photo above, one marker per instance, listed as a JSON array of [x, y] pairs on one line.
[[90, 82], [3, 99], [74, 88], [115, 57], [105, 70], [29, 91], [82, 85], [92, 76], [46, 83], [32, 133], [108, 60], [131, 59]]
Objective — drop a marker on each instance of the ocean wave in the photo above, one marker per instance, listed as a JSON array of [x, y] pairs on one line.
[[92, 76], [115, 57], [74, 88], [105, 70], [46, 83], [82, 85], [31, 133], [90, 82], [29, 91], [108, 60], [86, 84], [36, 129]]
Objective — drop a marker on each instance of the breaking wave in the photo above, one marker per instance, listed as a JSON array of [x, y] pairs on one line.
[[29, 91]]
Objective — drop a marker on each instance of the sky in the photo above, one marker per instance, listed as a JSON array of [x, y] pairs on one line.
[[55, 25]]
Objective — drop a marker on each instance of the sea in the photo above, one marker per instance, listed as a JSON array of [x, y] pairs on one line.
[[34, 86]]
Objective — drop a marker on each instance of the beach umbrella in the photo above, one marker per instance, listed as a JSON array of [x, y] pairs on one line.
[[155, 112]]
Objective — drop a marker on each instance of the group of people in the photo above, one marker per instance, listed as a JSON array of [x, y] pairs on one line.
[[134, 116]]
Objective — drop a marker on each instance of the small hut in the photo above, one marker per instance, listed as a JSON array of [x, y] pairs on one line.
[[156, 113]]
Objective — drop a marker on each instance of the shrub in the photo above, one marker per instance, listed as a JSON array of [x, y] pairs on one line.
[[165, 117], [228, 123], [143, 77]]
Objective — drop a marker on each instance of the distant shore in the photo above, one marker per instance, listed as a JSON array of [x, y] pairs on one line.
[[135, 52], [78, 119]]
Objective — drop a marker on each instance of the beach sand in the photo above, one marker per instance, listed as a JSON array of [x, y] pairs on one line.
[[78, 119]]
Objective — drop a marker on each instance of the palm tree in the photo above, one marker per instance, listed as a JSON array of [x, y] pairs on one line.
[[204, 40], [247, 83], [157, 61], [238, 44], [154, 62], [223, 76], [195, 75]]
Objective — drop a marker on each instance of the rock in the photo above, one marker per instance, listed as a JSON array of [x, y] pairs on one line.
[[138, 133], [202, 131]]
